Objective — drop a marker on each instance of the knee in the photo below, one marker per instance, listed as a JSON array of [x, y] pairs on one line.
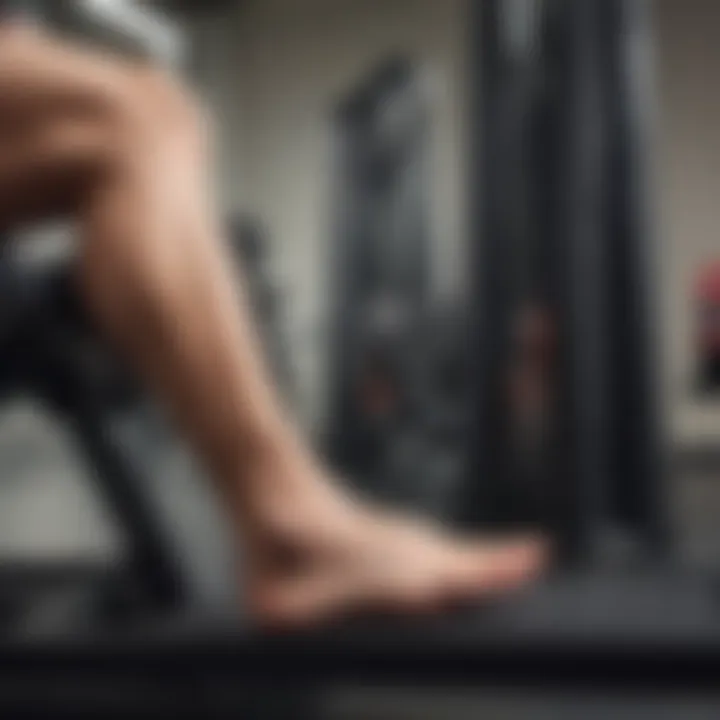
[[155, 110], [180, 114]]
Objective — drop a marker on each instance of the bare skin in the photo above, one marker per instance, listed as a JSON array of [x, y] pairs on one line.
[[123, 150]]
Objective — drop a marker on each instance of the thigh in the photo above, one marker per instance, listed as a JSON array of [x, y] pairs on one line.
[[40, 73], [54, 104]]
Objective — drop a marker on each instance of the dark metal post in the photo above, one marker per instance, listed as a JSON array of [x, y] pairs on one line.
[[639, 472]]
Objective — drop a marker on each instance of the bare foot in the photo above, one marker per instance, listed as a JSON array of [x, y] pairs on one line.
[[315, 555]]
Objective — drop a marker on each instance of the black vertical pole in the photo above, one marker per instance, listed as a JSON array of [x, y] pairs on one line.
[[639, 451], [581, 302], [488, 461], [380, 257]]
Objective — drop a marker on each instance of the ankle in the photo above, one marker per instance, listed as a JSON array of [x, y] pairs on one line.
[[268, 468], [289, 496]]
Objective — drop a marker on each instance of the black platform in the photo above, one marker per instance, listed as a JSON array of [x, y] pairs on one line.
[[658, 631]]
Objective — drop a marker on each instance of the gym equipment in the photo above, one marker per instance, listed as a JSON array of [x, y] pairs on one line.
[[50, 354], [251, 243], [639, 454], [625, 624], [512, 242], [425, 454], [381, 275], [707, 344], [582, 142]]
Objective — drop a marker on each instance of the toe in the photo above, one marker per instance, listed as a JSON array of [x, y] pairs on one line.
[[490, 568]]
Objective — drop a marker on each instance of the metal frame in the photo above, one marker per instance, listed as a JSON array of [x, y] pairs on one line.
[[360, 273], [593, 264], [48, 354]]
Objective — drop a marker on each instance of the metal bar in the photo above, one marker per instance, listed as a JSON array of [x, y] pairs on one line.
[[489, 460], [639, 472], [153, 554], [582, 302]]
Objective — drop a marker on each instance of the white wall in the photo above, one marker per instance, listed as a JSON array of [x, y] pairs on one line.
[[216, 73], [688, 52]]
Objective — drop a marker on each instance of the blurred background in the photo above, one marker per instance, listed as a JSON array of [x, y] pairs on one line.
[[344, 136], [290, 84]]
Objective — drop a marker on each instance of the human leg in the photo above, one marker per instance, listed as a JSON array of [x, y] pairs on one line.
[[124, 151]]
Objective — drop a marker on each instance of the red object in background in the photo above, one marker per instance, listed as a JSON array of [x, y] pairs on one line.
[[707, 298]]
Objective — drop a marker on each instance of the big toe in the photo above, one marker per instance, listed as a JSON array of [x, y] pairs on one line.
[[488, 568]]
